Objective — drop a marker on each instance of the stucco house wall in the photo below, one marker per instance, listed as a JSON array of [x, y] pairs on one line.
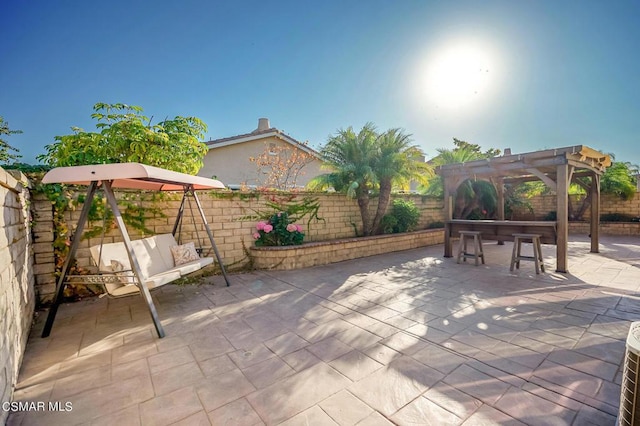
[[231, 164], [229, 159]]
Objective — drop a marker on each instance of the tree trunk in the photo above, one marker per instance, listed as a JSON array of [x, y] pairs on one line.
[[459, 203], [363, 204], [586, 201], [570, 207], [467, 207], [383, 203]]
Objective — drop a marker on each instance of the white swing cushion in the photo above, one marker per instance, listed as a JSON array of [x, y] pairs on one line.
[[155, 260]]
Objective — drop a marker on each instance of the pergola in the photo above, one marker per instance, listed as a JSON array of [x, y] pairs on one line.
[[557, 168]]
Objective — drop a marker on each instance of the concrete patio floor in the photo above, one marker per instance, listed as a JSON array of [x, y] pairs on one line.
[[402, 338]]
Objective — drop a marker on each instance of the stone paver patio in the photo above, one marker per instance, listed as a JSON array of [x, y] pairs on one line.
[[403, 338]]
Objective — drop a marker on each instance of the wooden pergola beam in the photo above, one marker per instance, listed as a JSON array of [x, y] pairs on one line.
[[580, 156], [489, 169], [552, 176]]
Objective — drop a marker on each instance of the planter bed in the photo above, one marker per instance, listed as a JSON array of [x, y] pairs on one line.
[[324, 252]]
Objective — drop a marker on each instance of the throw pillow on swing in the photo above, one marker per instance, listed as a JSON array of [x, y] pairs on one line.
[[184, 253]]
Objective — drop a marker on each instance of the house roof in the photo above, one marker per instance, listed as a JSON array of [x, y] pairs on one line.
[[261, 134]]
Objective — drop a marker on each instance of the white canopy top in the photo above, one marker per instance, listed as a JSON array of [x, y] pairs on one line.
[[130, 176]]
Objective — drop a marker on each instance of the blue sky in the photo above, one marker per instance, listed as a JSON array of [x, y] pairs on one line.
[[543, 74]]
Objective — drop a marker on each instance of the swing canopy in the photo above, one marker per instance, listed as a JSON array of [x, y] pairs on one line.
[[130, 176]]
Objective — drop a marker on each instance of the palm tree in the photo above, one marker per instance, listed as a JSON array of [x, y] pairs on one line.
[[618, 179], [461, 154], [365, 161], [397, 162], [472, 197], [349, 156]]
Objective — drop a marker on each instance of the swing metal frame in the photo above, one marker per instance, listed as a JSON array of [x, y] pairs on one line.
[[129, 176]]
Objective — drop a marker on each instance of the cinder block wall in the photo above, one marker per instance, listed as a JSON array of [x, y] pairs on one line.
[[321, 253], [544, 204], [17, 299], [42, 234], [226, 214]]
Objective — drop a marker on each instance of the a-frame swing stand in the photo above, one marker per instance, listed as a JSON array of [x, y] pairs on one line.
[[189, 191]]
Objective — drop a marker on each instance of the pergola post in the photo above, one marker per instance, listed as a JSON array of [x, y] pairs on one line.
[[448, 215], [500, 190], [562, 217], [595, 213], [499, 184]]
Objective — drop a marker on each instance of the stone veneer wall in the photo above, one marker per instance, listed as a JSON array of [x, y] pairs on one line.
[[225, 213], [324, 252], [17, 299]]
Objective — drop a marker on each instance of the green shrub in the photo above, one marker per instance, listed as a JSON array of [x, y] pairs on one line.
[[404, 217], [551, 216], [388, 224], [435, 225]]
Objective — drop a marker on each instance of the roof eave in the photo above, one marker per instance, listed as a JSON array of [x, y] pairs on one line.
[[252, 137]]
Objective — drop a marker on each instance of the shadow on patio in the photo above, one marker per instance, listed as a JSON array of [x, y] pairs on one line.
[[407, 338]]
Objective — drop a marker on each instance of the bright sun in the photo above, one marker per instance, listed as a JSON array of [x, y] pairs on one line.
[[458, 75]]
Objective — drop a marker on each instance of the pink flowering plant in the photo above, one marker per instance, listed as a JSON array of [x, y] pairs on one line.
[[277, 225], [278, 230]]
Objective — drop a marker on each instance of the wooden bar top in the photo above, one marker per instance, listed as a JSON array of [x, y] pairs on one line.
[[500, 230], [543, 223]]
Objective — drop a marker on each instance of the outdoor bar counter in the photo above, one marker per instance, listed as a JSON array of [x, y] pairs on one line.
[[500, 230]]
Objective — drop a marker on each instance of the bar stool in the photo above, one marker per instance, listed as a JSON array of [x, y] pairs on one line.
[[516, 255], [477, 253]]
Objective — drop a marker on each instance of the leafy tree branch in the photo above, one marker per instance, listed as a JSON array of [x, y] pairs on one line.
[[6, 149], [125, 135]]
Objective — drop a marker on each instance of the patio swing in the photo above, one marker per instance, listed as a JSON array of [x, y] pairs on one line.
[[154, 261]]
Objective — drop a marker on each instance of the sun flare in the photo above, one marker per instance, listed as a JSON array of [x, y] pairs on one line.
[[458, 75]]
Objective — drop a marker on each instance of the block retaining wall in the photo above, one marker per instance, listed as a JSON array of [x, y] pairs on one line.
[[226, 214], [543, 204], [322, 253], [606, 228], [233, 232]]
